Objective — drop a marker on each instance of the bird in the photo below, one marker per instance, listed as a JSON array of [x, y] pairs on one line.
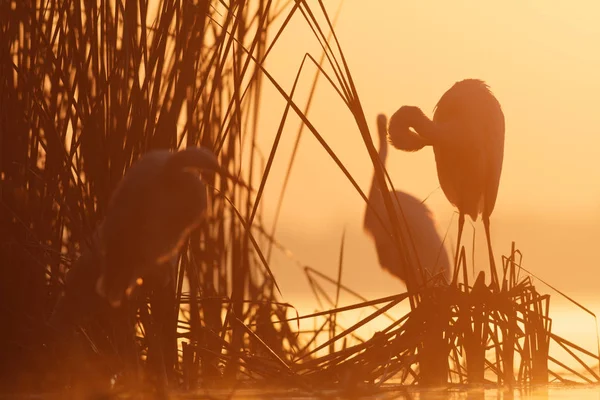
[[467, 136], [78, 299], [418, 222], [150, 214]]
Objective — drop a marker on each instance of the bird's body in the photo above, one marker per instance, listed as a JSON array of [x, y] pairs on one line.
[[152, 211], [467, 136], [470, 164], [417, 227]]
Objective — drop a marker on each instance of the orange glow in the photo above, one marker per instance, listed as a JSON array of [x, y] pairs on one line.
[[541, 62]]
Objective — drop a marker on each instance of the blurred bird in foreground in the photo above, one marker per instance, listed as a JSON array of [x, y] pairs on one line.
[[160, 200], [417, 225]]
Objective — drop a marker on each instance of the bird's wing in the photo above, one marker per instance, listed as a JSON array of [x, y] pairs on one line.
[[495, 151]]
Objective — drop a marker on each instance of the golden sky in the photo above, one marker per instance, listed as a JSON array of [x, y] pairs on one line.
[[541, 60]]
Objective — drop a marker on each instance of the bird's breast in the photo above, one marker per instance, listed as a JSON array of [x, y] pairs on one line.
[[462, 172]]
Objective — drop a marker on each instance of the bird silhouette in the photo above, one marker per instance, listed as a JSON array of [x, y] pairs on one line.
[[418, 222], [467, 136], [159, 201]]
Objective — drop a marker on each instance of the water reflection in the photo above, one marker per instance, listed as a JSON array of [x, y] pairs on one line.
[[579, 392]]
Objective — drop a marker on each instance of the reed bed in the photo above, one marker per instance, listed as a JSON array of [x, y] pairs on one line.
[[86, 89], [458, 334]]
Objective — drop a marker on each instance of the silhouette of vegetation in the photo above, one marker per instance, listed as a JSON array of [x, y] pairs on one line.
[[87, 88]]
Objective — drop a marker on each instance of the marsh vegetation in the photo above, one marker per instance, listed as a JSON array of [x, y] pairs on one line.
[[87, 88]]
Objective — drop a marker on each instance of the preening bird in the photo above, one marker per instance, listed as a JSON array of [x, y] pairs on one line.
[[418, 222], [467, 136], [159, 201]]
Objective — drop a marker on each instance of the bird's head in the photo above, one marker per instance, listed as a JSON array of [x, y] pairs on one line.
[[199, 159], [400, 134], [192, 158]]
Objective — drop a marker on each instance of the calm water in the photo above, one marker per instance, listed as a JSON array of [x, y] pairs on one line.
[[558, 392]]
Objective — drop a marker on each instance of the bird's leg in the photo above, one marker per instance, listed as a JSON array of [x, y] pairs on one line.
[[486, 224], [461, 223]]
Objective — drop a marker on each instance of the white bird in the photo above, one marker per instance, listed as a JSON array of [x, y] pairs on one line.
[[418, 222], [159, 201], [467, 136]]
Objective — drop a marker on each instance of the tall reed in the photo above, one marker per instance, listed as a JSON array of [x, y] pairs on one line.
[[86, 89]]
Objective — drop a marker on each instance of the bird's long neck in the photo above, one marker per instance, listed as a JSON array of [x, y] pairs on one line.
[[375, 197], [383, 144]]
